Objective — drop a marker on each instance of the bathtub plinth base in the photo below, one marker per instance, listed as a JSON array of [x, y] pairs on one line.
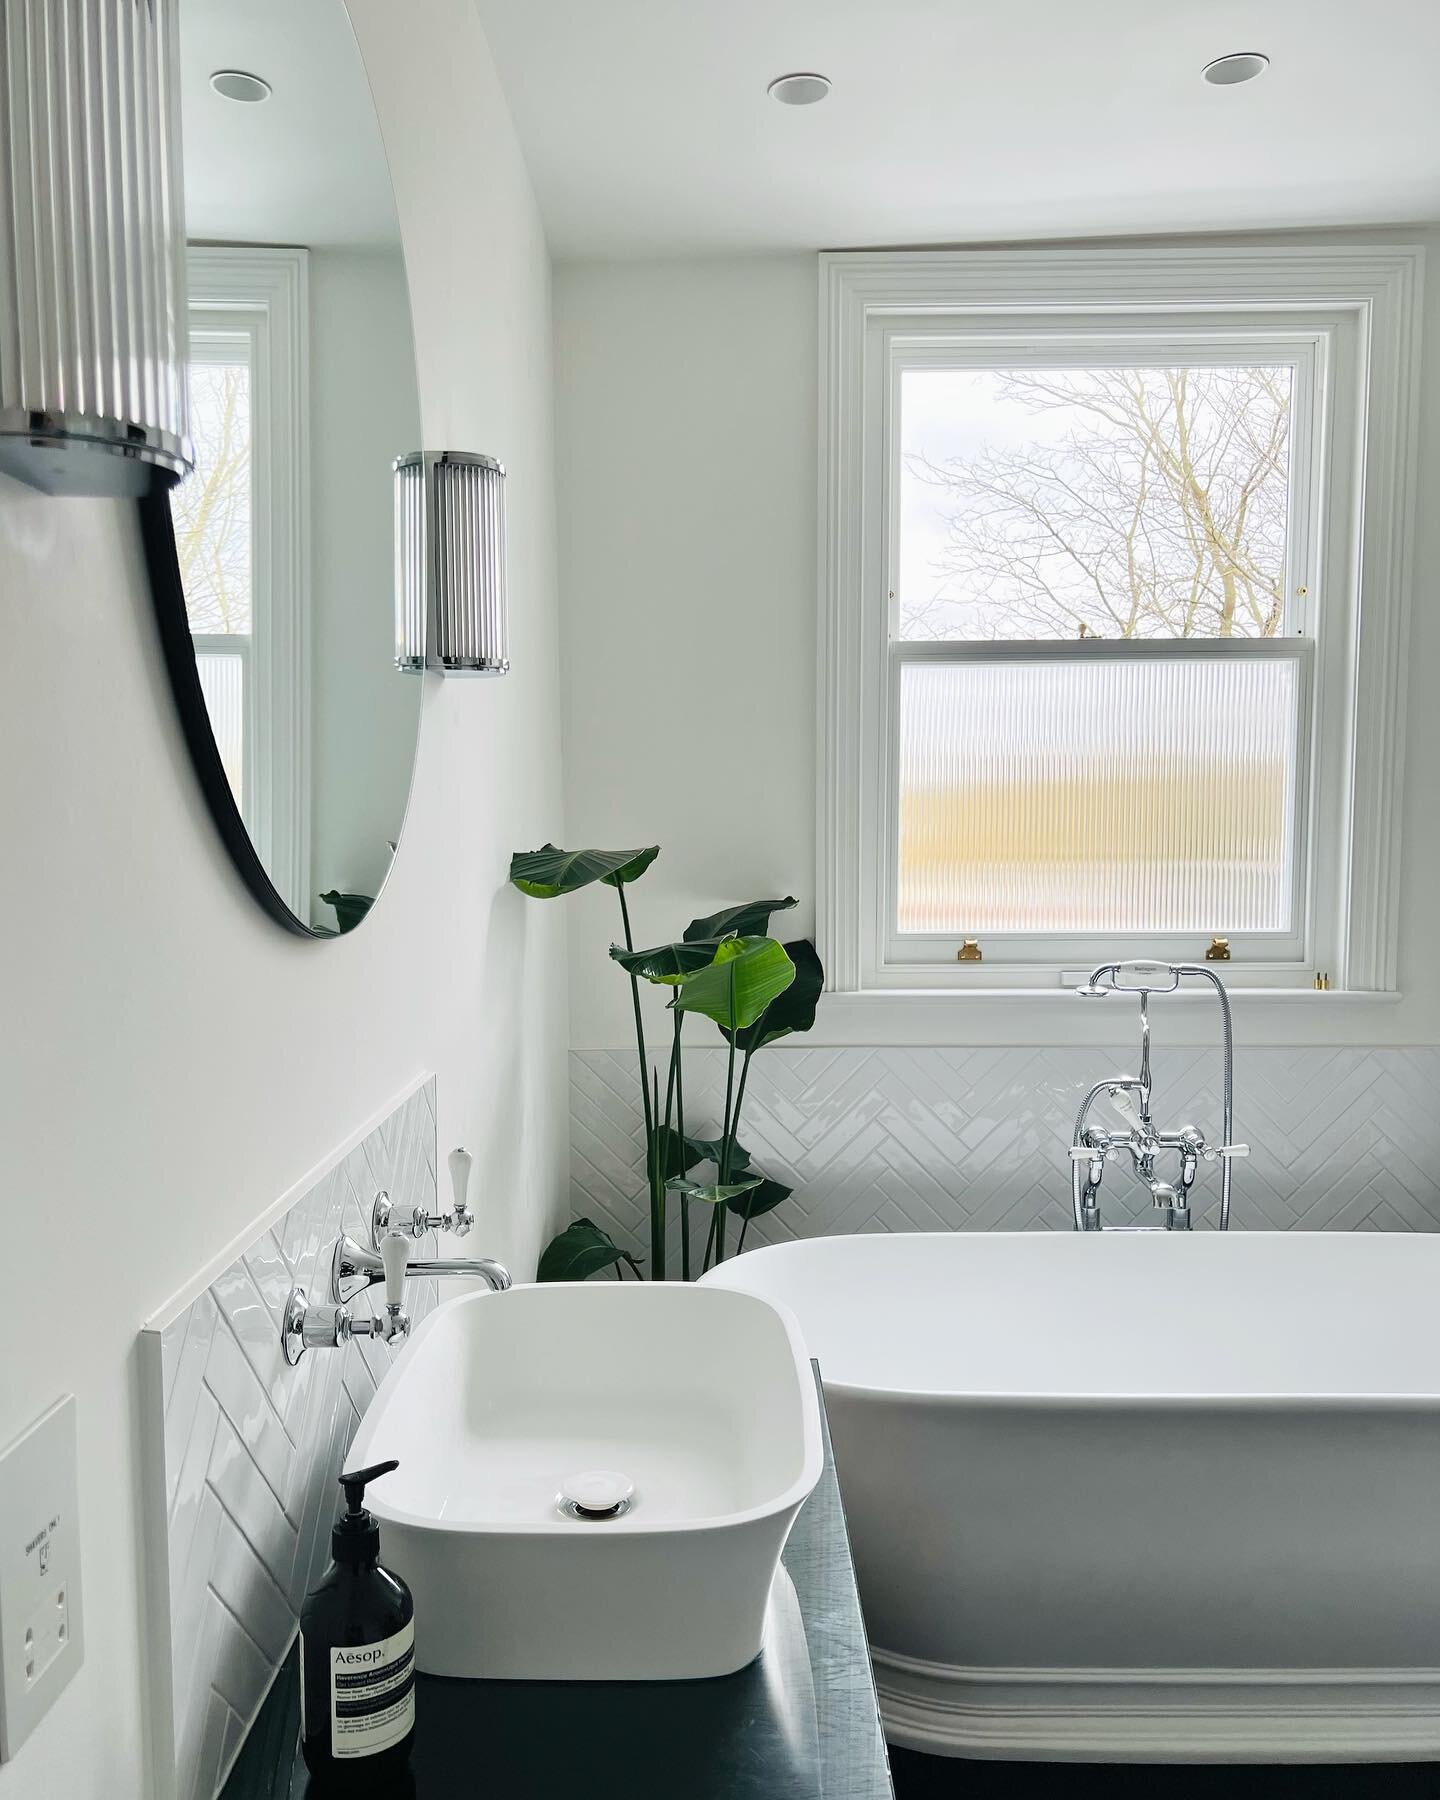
[[1161, 1715]]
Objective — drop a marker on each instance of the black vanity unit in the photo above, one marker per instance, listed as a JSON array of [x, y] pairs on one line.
[[798, 1724]]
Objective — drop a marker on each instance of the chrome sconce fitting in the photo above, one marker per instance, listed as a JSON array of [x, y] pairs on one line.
[[308, 1326], [93, 320], [385, 1218], [450, 599]]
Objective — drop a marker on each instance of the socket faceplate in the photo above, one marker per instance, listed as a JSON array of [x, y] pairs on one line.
[[42, 1639]]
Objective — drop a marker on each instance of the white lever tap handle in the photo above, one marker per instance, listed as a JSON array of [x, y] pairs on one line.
[[461, 1163], [1121, 1100], [395, 1254]]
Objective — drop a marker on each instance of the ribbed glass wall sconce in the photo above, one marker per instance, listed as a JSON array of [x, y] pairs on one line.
[[93, 325], [450, 604]]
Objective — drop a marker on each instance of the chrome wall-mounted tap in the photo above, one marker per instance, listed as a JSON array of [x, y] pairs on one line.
[[1142, 1140], [308, 1325], [311, 1325], [386, 1218]]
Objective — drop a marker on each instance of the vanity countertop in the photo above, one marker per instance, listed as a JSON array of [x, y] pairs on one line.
[[800, 1722]]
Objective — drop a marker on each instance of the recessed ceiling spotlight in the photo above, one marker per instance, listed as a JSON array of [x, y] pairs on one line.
[[1242, 65], [799, 90], [235, 84]]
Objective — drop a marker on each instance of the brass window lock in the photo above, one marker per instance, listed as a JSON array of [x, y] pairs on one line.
[[1219, 950], [970, 951]]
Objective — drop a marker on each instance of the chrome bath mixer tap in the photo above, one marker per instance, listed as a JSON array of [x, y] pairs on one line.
[[1142, 1140]]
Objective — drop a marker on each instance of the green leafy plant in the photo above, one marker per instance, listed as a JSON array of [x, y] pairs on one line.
[[725, 968]]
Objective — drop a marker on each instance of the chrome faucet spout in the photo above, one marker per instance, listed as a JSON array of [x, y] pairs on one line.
[[354, 1268]]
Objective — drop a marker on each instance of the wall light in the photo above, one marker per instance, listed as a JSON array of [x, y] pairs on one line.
[[450, 600], [93, 326]]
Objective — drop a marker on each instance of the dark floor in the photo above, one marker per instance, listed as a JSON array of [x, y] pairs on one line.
[[955, 1778]]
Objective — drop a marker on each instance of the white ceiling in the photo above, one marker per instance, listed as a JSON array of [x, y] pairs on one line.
[[306, 166], [647, 129]]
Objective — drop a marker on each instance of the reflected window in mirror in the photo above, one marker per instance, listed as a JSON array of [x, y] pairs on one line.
[[242, 530], [213, 541], [215, 544]]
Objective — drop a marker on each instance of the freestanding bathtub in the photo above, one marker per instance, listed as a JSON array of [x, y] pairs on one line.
[[1149, 1498]]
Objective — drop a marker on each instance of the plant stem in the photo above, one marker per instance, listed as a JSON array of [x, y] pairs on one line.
[[647, 1112], [658, 1150], [639, 1018], [677, 1076], [710, 1240], [727, 1138]]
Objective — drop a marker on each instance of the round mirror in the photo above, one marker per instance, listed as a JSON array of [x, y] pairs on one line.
[[273, 564]]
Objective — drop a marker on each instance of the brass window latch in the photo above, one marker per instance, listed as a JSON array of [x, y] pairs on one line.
[[1322, 984], [1219, 950], [970, 951]]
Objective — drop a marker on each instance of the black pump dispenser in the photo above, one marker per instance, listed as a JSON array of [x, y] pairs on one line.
[[357, 1654], [355, 1538]]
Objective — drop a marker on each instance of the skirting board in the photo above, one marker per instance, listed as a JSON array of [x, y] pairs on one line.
[[1161, 1715]]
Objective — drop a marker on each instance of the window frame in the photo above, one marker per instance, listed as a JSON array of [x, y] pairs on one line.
[[262, 295], [898, 346], [1338, 315]]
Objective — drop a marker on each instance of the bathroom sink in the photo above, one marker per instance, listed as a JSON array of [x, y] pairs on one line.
[[596, 1481]]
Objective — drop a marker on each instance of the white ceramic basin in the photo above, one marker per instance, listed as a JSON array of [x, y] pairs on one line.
[[701, 1398]]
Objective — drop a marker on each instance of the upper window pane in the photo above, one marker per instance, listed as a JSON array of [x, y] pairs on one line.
[[1104, 502], [212, 507]]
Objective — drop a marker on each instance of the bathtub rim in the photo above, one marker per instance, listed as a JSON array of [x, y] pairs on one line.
[[1070, 1399]]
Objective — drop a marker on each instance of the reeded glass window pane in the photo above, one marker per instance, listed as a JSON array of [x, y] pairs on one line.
[[212, 507], [1103, 502], [1097, 795], [222, 681]]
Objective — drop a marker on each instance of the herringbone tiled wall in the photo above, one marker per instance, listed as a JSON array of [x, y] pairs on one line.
[[950, 1140], [252, 1447]]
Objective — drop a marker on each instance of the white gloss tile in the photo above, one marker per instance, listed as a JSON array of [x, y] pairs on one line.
[[977, 1140], [251, 1449]]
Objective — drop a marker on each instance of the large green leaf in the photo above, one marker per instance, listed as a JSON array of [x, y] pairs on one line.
[[748, 920], [677, 1161], [716, 1193], [794, 1010], [580, 1251], [666, 962], [762, 1199], [548, 872], [747, 974]]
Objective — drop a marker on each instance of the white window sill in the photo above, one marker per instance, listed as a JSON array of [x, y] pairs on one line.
[[1047, 1016]]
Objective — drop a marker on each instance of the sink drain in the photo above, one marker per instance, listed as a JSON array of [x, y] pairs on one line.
[[596, 1494]]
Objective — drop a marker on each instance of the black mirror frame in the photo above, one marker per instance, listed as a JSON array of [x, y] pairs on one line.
[[167, 593]]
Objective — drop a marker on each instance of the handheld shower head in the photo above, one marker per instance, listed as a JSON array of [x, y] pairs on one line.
[[1131, 978]]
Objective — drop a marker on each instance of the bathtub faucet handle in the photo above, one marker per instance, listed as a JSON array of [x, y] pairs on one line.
[[1211, 1155]]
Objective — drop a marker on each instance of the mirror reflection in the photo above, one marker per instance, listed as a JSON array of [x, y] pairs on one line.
[[303, 392]]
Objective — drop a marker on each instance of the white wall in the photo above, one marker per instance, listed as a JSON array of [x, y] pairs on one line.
[[686, 403], [686, 397], [171, 1062], [363, 414]]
